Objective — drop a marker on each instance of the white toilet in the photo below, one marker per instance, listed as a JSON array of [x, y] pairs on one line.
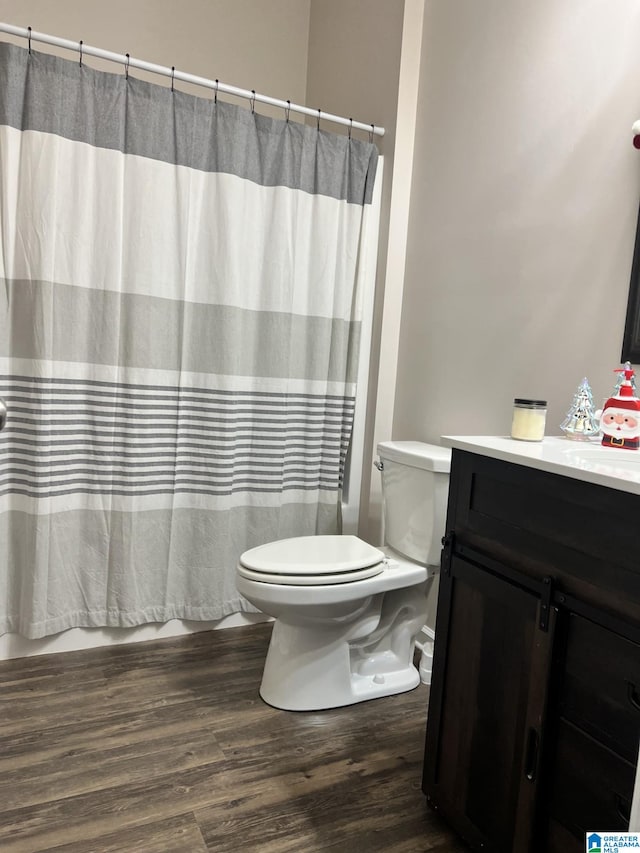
[[347, 614]]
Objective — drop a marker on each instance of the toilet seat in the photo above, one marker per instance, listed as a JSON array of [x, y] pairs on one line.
[[312, 561]]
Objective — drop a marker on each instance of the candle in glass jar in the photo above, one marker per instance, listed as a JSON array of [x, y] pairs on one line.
[[529, 418]]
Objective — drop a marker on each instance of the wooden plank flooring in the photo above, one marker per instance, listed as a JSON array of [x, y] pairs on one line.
[[166, 747]]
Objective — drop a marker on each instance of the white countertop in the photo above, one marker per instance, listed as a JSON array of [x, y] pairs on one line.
[[582, 460]]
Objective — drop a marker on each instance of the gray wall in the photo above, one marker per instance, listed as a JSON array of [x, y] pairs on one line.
[[523, 210], [355, 53], [254, 45]]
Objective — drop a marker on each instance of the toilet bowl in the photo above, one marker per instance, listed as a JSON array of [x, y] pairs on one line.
[[344, 631], [347, 614]]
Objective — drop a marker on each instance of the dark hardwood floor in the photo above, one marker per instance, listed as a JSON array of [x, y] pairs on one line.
[[166, 747]]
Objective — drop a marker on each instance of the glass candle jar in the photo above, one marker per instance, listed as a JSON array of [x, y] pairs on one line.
[[529, 418]]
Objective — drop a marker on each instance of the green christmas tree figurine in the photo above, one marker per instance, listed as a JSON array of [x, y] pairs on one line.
[[581, 423]]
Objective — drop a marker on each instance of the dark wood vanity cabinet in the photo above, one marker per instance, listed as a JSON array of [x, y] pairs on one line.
[[534, 712]]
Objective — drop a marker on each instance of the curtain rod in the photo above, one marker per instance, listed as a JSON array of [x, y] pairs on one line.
[[130, 62]]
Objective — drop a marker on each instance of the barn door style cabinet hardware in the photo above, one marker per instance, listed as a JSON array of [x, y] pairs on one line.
[[534, 711]]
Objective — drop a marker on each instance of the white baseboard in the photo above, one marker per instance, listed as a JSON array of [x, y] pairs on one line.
[[425, 634], [16, 646], [424, 641]]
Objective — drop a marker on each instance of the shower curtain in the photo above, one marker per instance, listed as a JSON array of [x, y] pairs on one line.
[[180, 315]]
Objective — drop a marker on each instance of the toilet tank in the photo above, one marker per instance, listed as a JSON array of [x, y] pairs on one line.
[[415, 485]]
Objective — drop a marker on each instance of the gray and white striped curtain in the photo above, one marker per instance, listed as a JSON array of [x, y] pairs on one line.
[[179, 330]]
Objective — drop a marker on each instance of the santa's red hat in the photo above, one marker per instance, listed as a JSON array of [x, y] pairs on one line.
[[624, 399]]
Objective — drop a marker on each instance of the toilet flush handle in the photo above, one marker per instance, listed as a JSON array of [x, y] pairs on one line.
[[379, 465]]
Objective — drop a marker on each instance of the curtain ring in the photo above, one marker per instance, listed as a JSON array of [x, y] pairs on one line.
[[29, 28], [350, 127], [318, 121], [173, 75], [126, 67], [253, 100], [215, 97], [371, 134], [81, 53], [287, 110]]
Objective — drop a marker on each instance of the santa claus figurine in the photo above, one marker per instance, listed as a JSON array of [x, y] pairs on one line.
[[620, 420]]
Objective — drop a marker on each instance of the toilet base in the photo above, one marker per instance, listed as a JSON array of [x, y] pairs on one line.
[[316, 665], [363, 687]]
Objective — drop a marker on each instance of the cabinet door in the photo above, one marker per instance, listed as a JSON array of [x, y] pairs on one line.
[[600, 691], [487, 704], [594, 746]]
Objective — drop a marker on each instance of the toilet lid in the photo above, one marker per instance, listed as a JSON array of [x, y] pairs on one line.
[[312, 560]]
